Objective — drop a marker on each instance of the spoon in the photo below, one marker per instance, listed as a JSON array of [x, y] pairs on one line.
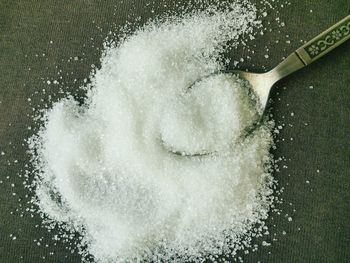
[[261, 83]]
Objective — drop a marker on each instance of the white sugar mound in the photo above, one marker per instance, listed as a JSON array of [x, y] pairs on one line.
[[110, 169]]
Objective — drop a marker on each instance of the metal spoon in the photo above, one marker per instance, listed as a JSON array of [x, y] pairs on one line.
[[261, 83]]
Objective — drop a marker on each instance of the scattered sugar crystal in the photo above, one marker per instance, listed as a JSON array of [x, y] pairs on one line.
[[265, 244]]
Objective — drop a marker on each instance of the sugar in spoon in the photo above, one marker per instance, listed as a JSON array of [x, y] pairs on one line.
[[261, 83]]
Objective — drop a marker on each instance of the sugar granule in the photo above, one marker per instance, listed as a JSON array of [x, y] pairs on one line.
[[103, 168]]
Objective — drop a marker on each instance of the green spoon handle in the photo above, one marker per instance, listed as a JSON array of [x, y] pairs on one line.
[[314, 49], [325, 42]]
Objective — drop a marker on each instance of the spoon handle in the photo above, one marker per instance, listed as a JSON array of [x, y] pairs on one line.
[[314, 49], [325, 42]]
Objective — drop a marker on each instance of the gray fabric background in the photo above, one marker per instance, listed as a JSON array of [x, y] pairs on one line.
[[320, 127]]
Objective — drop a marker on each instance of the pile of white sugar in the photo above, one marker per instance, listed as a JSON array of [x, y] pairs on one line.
[[108, 170]]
